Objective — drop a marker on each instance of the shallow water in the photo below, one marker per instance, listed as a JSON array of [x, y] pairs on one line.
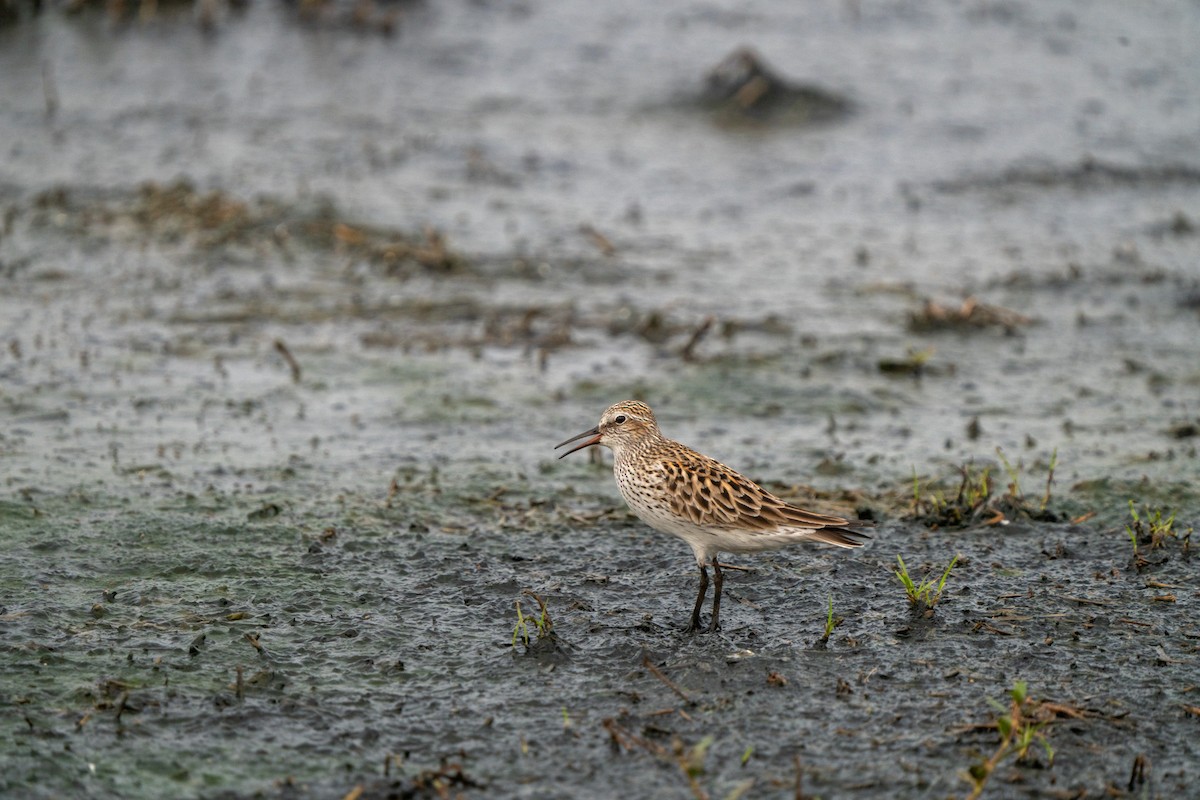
[[172, 486]]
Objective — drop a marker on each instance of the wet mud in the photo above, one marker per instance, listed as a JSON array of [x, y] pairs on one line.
[[295, 302]]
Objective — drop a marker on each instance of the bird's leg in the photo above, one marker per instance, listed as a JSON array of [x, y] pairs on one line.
[[695, 626], [717, 578]]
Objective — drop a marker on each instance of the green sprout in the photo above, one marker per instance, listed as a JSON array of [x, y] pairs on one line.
[[521, 629], [541, 622], [831, 622], [1133, 530], [913, 363], [971, 501], [1153, 530], [916, 508], [923, 596], [1018, 733], [689, 760], [1014, 480], [1049, 480]]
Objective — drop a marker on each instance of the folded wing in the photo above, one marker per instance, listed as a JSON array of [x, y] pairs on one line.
[[710, 494]]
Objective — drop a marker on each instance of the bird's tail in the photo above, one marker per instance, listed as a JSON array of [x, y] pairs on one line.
[[847, 536]]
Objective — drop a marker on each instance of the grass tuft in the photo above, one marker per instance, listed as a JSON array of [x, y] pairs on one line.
[[542, 622], [923, 597], [689, 760], [1155, 532], [831, 622], [1021, 724], [977, 500]]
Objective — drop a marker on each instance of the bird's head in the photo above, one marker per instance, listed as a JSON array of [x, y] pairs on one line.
[[622, 425]]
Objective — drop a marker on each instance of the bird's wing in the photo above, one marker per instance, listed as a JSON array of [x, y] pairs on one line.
[[706, 492]]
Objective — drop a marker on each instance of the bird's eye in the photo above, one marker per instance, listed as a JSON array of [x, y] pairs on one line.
[[619, 419]]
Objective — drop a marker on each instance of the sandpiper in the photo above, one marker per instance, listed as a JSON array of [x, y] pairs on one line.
[[713, 508]]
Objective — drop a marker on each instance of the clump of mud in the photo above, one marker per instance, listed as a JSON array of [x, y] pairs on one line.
[[179, 213], [744, 88], [978, 499], [970, 315]]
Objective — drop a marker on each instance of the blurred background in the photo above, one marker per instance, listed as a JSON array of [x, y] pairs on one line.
[[897, 234]]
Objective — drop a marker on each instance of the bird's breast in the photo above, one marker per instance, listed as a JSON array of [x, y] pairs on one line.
[[647, 491]]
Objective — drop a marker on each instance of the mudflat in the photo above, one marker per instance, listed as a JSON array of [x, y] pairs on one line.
[[295, 302]]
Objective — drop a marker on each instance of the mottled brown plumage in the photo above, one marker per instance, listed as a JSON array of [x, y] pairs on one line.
[[713, 508]]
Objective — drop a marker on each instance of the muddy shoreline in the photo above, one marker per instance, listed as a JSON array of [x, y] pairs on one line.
[[293, 310]]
